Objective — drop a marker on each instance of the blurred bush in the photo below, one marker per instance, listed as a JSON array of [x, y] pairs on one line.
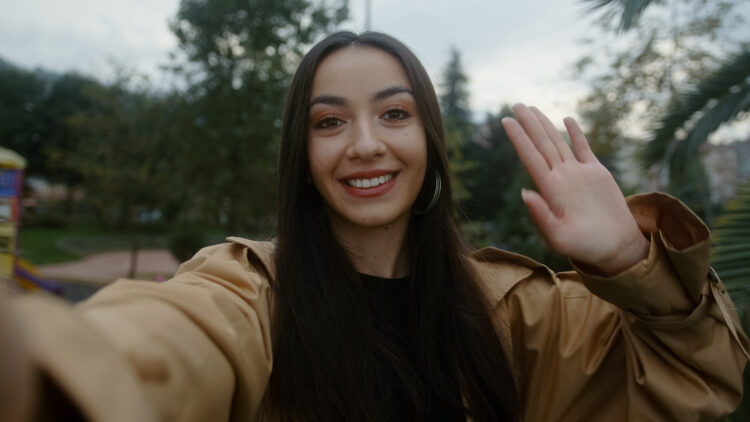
[[184, 241]]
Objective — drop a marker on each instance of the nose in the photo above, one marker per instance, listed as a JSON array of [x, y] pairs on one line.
[[366, 142]]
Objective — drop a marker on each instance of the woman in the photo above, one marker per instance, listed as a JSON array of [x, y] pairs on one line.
[[370, 307]]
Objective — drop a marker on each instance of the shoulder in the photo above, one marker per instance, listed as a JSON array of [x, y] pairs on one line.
[[500, 271], [239, 253]]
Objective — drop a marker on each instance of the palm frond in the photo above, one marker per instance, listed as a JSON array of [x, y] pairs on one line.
[[629, 10], [723, 111], [731, 249], [720, 97]]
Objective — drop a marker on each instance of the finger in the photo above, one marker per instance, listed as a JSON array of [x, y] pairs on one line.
[[562, 147], [541, 214], [529, 155], [537, 134], [580, 144]]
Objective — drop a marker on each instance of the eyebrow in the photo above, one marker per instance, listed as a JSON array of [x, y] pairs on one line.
[[380, 95], [327, 99], [389, 92]]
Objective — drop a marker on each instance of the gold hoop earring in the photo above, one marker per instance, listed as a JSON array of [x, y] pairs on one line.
[[435, 195]]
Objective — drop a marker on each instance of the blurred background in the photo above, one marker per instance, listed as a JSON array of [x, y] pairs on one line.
[[134, 132]]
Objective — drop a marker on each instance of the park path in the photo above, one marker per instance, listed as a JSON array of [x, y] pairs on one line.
[[103, 268]]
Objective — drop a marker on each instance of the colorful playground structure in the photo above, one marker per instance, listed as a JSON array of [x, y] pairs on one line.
[[15, 271]]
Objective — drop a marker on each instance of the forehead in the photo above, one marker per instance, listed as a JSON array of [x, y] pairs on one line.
[[358, 69]]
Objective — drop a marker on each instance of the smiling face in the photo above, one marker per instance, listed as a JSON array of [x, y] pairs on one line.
[[367, 146]]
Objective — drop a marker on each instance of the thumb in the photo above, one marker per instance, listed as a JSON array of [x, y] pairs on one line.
[[544, 219]]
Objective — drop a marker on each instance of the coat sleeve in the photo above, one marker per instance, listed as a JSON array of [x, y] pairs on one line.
[[194, 348], [654, 343]]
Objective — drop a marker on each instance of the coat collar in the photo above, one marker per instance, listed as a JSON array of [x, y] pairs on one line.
[[499, 270], [258, 252]]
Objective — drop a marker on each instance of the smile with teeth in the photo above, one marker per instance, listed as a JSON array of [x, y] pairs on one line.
[[369, 183]]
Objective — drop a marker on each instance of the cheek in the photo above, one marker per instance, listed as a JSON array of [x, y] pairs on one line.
[[413, 147], [320, 161]]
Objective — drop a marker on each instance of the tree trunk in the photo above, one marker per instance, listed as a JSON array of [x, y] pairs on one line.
[[133, 245]]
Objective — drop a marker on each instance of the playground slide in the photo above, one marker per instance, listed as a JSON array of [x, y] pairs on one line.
[[28, 278]]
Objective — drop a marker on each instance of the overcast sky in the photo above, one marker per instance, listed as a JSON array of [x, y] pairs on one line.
[[512, 51]]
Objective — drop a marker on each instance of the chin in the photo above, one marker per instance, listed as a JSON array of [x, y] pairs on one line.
[[373, 220]]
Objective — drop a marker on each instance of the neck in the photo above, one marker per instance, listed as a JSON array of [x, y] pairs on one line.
[[379, 251]]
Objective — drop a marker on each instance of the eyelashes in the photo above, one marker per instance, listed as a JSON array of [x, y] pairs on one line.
[[391, 114], [329, 121], [395, 113]]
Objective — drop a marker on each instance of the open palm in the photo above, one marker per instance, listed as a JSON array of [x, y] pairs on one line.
[[579, 209]]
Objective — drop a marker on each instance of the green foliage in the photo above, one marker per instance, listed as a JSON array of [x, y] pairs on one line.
[[731, 247], [454, 106], [497, 215], [19, 92], [240, 57], [496, 165], [720, 97], [34, 107], [184, 241], [731, 258], [629, 10], [119, 151], [454, 98], [635, 75], [717, 98], [204, 153]]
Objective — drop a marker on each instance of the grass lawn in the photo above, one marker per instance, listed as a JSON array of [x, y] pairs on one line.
[[46, 245], [50, 245]]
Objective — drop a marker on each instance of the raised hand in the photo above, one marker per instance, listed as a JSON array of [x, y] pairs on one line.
[[579, 209]]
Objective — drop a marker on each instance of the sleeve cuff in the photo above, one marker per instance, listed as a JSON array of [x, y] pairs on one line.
[[670, 280]]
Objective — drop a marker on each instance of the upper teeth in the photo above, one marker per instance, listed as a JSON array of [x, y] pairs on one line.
[[369, 183]]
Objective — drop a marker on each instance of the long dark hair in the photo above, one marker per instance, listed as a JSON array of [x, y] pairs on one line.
[[329, 361]]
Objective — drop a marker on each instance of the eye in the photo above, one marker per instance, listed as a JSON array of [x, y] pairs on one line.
[[395, 113], [329, 122]]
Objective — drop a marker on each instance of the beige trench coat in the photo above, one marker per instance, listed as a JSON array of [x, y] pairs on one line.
[[657, 342]]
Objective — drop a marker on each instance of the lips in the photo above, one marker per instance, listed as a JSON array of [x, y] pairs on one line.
[[369, 183]]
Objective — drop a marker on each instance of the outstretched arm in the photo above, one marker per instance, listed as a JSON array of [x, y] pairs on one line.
[[579, 209]]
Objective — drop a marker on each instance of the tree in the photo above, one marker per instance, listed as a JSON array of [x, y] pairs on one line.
[[731, 249], [630, 11], [65, 97], [239, 59], [454, 106], [673, 44], [454, 99], [718, 98], [19, 96], [34, 107], [694, 114], [120, 154], [497, 214]]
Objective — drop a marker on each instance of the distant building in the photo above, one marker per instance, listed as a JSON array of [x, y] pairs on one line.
[[727, 166]]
